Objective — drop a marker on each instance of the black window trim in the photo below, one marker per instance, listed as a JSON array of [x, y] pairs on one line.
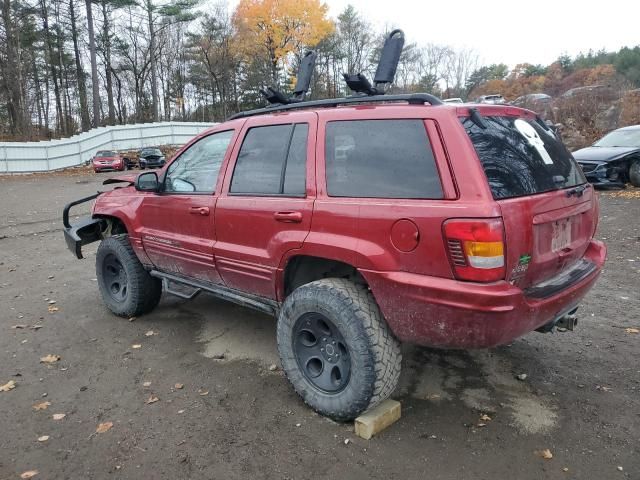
[[423, 120], [284, 164], [213, 192]]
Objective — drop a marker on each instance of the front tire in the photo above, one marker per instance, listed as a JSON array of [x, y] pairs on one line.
[[634, 173], [336, 348], [126, 287]]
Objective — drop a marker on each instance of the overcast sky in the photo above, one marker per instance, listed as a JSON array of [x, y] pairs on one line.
[[504, 31]]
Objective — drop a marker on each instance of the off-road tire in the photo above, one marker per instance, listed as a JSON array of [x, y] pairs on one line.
[[634, 173], [142, 290], [374, 351]]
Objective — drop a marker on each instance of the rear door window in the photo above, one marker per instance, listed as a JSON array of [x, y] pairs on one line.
[[520, 157], [380, 159], [272, 161]]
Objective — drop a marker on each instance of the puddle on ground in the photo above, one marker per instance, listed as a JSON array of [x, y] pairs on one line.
[[482, 380]]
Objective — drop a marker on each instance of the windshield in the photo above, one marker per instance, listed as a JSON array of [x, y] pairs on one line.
[[106, 153], [151, 151], [620, 138], [520, 157]]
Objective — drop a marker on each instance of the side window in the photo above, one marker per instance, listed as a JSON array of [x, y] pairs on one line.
[[272, 161], [197, 168], [380, 159]]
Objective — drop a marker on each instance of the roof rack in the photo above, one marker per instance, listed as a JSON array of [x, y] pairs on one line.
[[412, 99], [386, 71], [307, 64]]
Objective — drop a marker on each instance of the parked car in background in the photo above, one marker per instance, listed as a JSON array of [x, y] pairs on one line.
[[107, 160], [537, 102], [494, 99], [613, 160], [151, 158], [453, 100]]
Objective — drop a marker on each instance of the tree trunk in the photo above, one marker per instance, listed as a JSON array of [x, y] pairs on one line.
[[107, 61], [85, 121], [52, 65], [152, 58], [16, 105], [94, 66]]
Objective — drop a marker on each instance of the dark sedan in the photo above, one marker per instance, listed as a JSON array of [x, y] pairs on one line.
[[613, 160], [151, 158]]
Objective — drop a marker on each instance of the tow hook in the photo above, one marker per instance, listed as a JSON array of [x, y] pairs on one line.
[[568, 322], [565, 322]]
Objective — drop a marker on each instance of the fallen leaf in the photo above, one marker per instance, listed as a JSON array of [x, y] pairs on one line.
[[632, 330], [52, 302], [180, 411], [565, 469], [136, 346], [546, 454], [179, 386], [35, 327], [146, 384], [485, 418], [19, 326], [132, 319], [480, 425], [202, 394], [10, 385], [151, 400], [50, 359], [43, 438], [52, 308], [29, 474], [59, 416], [41, 406], [150, 333], [104, 427]]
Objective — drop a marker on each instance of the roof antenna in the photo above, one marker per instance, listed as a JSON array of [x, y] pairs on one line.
[[386, 71], [303, 81]]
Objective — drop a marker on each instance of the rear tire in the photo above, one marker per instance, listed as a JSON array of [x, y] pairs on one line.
[[336, 348], [126, 287], [634, 173]]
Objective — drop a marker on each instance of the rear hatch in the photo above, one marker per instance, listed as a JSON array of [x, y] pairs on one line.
[[549, 211]]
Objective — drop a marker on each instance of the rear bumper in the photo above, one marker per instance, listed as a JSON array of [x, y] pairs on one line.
[[446, 313]]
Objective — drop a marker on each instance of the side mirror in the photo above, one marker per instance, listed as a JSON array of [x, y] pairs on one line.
[[147, 182]]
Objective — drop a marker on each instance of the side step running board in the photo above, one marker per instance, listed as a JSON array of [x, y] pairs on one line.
[[261, 304]]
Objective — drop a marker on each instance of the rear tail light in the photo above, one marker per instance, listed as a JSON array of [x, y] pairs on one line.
[[476, 248]]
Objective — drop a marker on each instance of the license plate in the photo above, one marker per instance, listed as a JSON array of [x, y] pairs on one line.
[[561, 235]]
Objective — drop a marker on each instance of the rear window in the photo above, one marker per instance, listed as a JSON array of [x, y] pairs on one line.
[[380, 159], [520, 157]]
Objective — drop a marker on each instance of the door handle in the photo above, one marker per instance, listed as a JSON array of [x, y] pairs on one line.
[[199, 211], [288, 217]]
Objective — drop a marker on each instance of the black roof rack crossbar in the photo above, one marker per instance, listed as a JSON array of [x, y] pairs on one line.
[[412, 99]]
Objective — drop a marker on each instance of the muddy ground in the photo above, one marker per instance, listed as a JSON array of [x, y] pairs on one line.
[[234, 418]]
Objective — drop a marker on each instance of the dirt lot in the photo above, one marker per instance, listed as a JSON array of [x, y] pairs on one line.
[[234, 418]]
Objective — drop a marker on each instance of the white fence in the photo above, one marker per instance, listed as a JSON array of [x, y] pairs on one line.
[[18, 157]]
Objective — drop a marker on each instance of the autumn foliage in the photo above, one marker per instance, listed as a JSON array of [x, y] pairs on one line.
[[277, 28]]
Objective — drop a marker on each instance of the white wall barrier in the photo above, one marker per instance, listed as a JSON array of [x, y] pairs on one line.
[[20, 157]]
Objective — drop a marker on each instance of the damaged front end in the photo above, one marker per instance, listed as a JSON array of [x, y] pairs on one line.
[[612, 174], [87, 230]]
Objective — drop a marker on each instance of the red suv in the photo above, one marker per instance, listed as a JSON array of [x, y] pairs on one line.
[[360, 225]]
